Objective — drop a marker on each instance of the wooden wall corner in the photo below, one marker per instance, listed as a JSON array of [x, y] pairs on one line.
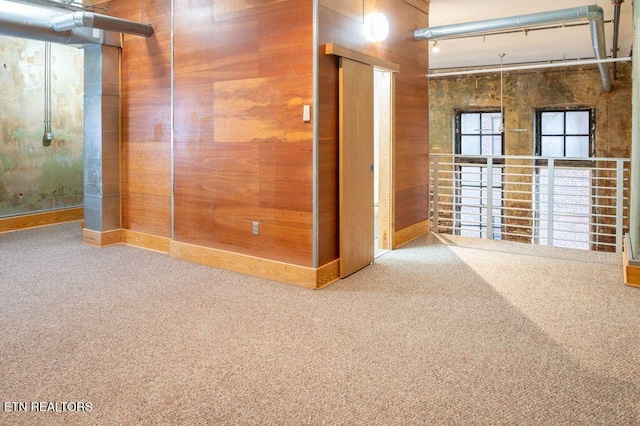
[[328, 274], [410, 233], [631, 272], [101, 239]]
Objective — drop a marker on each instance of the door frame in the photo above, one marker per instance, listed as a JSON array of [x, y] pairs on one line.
[[386, 164]]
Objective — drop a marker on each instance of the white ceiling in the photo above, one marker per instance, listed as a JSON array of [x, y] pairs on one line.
[[537, 46]]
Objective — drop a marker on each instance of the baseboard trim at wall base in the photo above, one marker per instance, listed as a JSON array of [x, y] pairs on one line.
[[631, 268], [410, 233], [297, 275], [300, 276], [101, 239], [146, 241], [35, 220]]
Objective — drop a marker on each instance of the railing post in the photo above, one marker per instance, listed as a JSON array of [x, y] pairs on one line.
[[550, 200], [490, 198], [436, 174], [619, 203]]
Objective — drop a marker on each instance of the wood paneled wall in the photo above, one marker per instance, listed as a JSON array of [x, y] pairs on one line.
[[145, 168], [242, 153], [342, 23]]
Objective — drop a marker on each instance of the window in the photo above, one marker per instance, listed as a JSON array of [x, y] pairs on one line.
[[478, 134], [567, 135]]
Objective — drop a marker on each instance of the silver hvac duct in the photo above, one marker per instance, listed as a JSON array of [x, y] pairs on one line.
[[32, 22], [53, 25], [74, 20], [592, 13]]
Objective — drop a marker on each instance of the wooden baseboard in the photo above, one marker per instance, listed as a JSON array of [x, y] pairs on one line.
[[146, 241], [34, 220], [101, 239], [410, 233], [328, 274], [631, 272], [300, 276]]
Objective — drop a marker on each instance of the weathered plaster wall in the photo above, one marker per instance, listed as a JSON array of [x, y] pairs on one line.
[[33, 177], [523, 93]]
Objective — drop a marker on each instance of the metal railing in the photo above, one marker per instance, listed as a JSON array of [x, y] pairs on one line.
[[568, 202]]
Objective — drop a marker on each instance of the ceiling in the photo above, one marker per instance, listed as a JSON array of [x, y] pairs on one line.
[[537, 46]]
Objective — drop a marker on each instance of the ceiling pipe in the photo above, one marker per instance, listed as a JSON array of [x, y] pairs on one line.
[[37, 23], [616, 34], [74, 20], [559, 64], [32, 22], [592, 13]]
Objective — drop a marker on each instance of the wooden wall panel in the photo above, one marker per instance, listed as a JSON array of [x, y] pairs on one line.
[[353, 9], [146, 105], [261, 109], [411, 115], [242, 152]]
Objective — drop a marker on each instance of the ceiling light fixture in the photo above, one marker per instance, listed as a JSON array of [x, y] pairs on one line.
[[377, 27], [436, 48]]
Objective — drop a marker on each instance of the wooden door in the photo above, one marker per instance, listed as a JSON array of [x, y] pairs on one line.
[[356, 166]]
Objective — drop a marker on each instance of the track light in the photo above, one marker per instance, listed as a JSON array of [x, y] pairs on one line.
[[436, 48]]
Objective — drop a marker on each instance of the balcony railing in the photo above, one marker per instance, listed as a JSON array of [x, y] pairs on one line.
[[577, 203]]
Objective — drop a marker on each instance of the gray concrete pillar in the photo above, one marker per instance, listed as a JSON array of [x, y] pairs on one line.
[[102, 138]]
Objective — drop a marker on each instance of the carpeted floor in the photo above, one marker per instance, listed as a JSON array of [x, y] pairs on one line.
[[444, 331]]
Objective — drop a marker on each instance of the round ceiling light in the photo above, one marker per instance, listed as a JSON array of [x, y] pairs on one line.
[[377, 27]]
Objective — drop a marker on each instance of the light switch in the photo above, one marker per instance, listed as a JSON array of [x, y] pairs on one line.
[[306, 113]]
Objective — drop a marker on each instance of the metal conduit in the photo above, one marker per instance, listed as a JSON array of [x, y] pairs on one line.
[[593, 13]]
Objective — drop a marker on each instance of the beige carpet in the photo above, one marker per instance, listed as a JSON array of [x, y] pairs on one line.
[[445, 331]]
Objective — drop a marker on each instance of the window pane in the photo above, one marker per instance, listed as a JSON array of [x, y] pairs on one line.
[[470, 145], [497, 145], [552, 123], [487, 145], [470, 123], [491, 122], [577, 146], [552, 146], [470, 176], [470, 197], [577, 122]]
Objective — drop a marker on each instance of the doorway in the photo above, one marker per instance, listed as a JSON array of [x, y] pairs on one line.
[[382, 137], [365, 147]]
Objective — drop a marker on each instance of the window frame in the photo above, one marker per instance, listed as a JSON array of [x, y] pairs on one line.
[[562, 160], [481, 163]]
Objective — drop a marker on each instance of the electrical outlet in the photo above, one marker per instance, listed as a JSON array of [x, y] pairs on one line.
[[256, 228]]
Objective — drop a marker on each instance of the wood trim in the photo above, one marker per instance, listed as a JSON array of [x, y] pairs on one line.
[[34, 220], [410, 233], [328, 274], [249, 265], [631, 272], [101, 239], [146, 241], [354, 55]]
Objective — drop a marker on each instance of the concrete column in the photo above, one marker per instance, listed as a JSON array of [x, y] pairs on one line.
[[102, 138]]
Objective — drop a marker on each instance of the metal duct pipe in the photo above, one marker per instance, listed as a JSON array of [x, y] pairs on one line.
[[32, 22], [592, 13], [94, 20]]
